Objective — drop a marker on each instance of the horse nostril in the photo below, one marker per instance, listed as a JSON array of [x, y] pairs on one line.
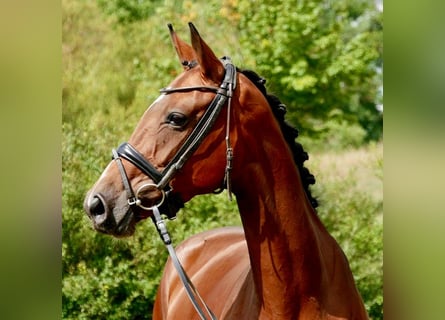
[[96, 206]]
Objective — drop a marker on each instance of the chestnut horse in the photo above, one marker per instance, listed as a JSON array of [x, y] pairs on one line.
[[215, 126]]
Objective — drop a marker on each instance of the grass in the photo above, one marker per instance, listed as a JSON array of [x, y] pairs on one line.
[[350, 189]]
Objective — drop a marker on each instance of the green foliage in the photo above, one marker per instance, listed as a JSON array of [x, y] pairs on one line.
[[319, 56], [349, 185], [127, 11], [116, 55]]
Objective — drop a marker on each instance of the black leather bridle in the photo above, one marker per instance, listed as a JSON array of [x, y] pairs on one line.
[[170, 203]]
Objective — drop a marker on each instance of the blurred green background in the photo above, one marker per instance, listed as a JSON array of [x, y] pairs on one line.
[[322, 58]]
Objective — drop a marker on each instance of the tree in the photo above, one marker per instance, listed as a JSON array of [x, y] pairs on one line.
[[323, 58]]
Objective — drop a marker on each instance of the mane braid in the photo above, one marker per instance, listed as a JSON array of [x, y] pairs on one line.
[[290, 134]]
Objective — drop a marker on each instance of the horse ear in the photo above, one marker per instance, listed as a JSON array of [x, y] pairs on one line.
[[211, 67], [185, 52]]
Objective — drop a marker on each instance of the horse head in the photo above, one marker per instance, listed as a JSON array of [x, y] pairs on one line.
[[179, 147]]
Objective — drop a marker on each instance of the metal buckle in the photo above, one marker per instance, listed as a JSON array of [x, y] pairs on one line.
[[134, 201]]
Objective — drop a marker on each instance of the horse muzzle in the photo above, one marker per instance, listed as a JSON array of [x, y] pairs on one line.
[[118, 220], [118, 217]]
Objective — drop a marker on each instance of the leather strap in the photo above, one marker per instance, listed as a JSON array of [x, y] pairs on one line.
[[187, 89], [125, 150], [128, 152], [131, 198], [190, 289], [202, 128]]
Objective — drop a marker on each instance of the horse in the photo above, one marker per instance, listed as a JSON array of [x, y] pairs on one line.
[[215, 127]]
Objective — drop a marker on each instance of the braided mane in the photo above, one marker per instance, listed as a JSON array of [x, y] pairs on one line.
[[289, 133]]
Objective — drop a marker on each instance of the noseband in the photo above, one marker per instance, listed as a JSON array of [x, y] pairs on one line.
[[170, 203]]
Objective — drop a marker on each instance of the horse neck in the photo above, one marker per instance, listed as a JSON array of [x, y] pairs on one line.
[[282, 231]]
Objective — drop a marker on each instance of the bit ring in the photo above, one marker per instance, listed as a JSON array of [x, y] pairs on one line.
[[148, 186]]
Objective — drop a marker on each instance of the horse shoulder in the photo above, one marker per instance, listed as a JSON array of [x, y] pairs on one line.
[[217, 262]]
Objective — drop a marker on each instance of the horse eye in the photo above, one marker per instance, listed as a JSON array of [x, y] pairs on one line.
[[176, 119]]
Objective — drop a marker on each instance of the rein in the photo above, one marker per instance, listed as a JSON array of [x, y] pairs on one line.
[[169, 203]]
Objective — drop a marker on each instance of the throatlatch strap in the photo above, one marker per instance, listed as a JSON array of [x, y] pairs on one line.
[[230, 78]]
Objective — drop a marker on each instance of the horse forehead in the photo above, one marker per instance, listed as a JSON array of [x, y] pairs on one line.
[[192, 99], [191, 77]]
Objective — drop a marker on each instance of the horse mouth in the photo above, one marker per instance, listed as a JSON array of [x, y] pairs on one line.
[[124, 227], [119, 219], [127, 226], [142, 215]]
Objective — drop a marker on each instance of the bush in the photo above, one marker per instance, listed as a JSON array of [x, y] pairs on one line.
[[350, 186]]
